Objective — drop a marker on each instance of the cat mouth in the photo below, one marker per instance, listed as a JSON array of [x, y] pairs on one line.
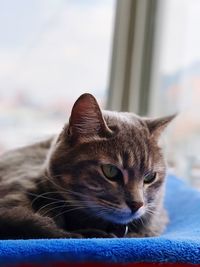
[[123, 216]]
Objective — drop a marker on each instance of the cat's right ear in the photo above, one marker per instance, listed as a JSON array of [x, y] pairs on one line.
[[157, 126], [86, 119]]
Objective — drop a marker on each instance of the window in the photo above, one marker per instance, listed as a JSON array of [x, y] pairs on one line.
[[156, 72], [50, 53], [176, 83]]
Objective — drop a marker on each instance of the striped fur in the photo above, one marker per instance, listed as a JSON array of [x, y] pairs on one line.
[[56, 188]]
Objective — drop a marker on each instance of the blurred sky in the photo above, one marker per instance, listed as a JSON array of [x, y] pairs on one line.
[[48, 46], [179, 37]]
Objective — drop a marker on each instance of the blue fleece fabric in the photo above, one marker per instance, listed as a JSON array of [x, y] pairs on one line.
[[179, 243]]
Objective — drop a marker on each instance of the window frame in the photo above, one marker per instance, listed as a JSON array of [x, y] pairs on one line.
[[132, 56]]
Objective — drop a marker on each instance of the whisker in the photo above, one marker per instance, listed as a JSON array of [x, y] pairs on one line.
[[152, 212], [108, 204], [43, 195], [51, 192], [140, 218], [64, 205], [49, 204], [66, 211], [97, 214], [38, 196], [134, 223], [54, 208]]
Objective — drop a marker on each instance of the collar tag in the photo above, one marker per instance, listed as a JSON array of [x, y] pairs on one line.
[[119, 230], [126, 230]]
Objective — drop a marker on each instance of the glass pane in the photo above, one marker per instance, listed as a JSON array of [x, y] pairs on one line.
[[177, 83], [50, 53]]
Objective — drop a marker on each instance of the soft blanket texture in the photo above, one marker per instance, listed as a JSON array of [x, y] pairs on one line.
[[180, 242]]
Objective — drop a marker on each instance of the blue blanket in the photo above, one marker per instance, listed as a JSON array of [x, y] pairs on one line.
[[180, 242]]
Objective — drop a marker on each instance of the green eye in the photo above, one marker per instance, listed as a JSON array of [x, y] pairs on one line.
[[111, 172], [149, 177]]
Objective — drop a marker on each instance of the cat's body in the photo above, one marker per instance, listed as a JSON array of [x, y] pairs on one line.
[[67, 187]]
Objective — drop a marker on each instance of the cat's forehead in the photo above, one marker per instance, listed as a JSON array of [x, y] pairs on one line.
[[126, 121], [130, 146], [115, 116]]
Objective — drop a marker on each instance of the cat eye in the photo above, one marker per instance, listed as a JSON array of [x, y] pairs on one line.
[[149, 177], [111, 172]]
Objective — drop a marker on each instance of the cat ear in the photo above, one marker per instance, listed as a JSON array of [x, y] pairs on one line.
[[157, 126], [86, 118]]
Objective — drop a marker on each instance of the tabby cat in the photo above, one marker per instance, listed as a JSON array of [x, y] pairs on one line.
[[102, 176]]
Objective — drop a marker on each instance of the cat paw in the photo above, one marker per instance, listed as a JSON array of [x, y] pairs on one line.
[[74, 235], [93, 233]]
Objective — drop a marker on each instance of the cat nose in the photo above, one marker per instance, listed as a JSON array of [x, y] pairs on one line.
[[134, 205]]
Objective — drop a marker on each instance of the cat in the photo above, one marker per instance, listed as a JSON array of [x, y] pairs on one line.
[[102, 176]]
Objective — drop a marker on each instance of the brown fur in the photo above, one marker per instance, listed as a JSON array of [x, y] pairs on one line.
[[56, 188]]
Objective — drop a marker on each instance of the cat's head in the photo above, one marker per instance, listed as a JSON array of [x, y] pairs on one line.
[[109, 163]]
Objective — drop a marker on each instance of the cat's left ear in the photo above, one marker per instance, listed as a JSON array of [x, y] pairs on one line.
[[157, 126], [86, 119]]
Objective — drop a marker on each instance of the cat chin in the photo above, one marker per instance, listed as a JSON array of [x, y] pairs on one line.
[[124, 217]]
